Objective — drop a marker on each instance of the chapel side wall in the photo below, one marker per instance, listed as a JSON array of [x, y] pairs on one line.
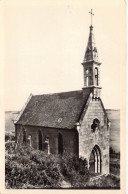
[[70, 138], [88, 139]]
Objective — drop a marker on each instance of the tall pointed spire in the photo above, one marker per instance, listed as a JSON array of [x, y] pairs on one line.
[[91, 50]]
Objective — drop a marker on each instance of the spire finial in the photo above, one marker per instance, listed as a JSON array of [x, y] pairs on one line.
[[91, 16]]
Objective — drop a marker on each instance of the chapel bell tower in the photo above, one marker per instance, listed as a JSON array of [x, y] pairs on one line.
[[91, 66]]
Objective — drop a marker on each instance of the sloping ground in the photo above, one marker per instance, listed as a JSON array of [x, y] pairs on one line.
[[104, 182], [114, 116], [98, 182]]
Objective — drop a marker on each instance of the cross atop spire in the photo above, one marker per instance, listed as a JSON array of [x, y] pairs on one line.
[[91, 16]]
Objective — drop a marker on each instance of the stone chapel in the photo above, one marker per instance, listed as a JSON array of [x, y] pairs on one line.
[[73, 122]]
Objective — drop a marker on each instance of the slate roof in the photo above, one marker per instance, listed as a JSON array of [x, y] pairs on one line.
[[58, 110]]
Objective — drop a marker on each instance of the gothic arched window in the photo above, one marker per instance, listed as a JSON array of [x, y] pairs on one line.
[[40, 139], [60, 144], [96, 76], [24, 136]]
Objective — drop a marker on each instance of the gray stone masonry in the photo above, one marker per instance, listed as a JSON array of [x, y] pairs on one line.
[[88, 139]]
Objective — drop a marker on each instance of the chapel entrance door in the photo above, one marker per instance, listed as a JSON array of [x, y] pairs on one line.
[[95, 160]]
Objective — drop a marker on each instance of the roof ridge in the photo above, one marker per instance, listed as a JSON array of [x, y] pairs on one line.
[[57, 93]]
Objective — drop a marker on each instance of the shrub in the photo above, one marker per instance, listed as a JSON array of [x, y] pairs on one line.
[[75, 170], [29, 168]]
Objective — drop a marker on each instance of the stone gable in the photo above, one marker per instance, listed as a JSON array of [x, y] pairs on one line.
[[88, 137]]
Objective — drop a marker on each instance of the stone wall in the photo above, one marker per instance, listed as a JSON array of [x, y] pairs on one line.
[[70, 138], [88, 139]]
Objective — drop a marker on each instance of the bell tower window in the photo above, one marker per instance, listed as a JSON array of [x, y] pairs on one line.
[[87, 81], [90, 80], [96, 76]]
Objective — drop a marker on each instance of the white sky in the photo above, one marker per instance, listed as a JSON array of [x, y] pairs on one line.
[[45, 42]]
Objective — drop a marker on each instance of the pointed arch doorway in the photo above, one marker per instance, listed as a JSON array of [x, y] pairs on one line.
[[95, 160]]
